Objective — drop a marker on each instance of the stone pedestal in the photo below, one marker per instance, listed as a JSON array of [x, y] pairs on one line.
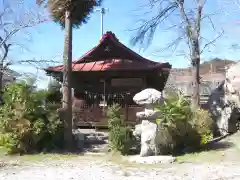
[[152, 159], [148, 127]]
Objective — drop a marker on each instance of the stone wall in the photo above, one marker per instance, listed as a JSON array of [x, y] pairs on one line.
[[182, 81]]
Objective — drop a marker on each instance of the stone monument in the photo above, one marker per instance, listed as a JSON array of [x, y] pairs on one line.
[[148, 127], [224, 102]]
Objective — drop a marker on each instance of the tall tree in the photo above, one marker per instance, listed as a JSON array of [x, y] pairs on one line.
[[189, 15], [69, 14]]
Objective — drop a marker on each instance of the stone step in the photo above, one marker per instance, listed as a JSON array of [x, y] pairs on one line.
[[95, 138], [95, 142], [97, 148], [91, 141]]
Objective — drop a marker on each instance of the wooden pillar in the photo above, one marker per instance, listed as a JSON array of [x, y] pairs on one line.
[[126, 107], [144, 79], [126, 112]]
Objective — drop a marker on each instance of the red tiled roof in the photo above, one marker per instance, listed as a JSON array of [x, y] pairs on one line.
[[109, 65], [110, 54]]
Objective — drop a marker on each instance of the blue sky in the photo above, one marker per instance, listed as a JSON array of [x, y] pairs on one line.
[[47, 39]]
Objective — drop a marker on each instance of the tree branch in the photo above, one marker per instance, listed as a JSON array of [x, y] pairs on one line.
[[151, 25], [198, 17], [183, 13], [17, 29], [5, 49], [212, 41]]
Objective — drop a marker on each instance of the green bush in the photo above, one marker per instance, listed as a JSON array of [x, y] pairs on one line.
[[3, 139], [28, 123], [203, 124], [180, 127], [120, 136]]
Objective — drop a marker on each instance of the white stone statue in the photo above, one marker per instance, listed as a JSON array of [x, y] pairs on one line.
[[148, 127], [224, 102]]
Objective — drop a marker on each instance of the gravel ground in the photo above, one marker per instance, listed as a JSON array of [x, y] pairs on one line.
[[79, 169], [91, 168]]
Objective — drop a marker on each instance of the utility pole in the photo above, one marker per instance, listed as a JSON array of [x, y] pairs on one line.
[[103, 12]]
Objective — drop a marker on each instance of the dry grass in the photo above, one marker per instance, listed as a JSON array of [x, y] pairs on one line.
[[204, 156], [41, 157]]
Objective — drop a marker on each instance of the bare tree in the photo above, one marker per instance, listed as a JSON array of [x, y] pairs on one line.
[[188, 18], [15, 21]]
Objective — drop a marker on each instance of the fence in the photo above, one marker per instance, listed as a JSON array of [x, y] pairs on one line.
[[90, 109]]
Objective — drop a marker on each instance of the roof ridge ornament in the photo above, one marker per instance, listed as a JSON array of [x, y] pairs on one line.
[[111, 35], [107, 48]]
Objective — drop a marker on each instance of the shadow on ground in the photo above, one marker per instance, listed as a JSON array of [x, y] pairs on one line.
[[218, 146], [229, 141], [223, 149]]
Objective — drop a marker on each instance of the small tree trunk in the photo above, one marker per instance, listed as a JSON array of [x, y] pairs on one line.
[[195, 59], [1, 83], [1, 78], [67, 93]]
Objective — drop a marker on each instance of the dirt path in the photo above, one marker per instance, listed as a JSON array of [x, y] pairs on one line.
[[80, 169]]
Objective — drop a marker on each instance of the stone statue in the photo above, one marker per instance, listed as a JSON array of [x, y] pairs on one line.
[[224, 102], [148, 127]]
